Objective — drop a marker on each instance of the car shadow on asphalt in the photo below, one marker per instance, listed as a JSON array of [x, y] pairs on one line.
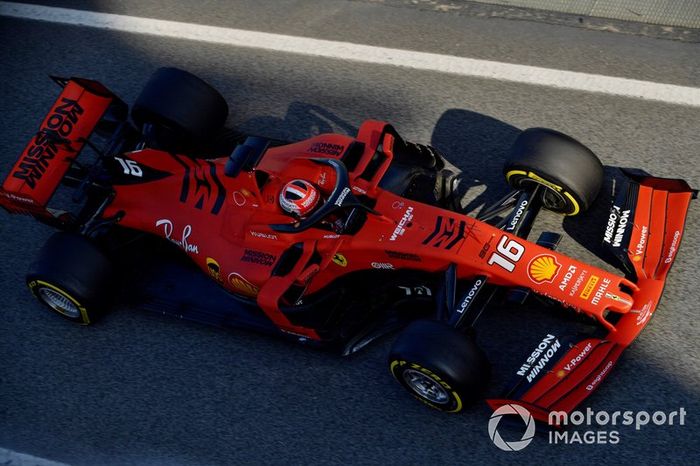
[[478, 145], [301, 121]]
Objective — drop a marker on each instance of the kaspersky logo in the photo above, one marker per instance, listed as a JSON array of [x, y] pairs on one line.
[[543, 268]]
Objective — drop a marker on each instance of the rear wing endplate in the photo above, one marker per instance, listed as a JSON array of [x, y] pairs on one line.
[[44, 162]]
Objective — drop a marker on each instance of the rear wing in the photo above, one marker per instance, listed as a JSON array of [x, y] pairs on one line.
[[44, 162], [644, 231]]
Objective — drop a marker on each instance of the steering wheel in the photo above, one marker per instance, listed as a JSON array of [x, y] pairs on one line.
[[340, 198]]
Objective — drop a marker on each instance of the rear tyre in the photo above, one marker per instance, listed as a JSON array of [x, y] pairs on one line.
[[439, 365], [570, 172], [72, 277], [177, 110]]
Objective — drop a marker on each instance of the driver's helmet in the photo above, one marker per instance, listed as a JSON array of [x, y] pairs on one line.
[[299, 197]]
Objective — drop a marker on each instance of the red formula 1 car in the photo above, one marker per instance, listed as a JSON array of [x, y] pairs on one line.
[[334, 240]]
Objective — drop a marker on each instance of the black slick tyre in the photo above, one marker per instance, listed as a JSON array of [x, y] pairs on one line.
[[72, 277], [571, 173], [439, 365], [178, 108]]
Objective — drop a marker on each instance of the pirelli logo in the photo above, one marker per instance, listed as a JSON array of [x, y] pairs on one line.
[[590, 285]]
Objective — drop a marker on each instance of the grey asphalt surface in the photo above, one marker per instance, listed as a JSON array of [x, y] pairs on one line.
[[139, 388]]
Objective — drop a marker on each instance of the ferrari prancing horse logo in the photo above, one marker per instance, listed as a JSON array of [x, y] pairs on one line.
[[340, 260]]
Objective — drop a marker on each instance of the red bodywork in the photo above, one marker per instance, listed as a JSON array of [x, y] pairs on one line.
[[224, 225], [48, 156]]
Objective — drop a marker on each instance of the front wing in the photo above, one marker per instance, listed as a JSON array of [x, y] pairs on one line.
[[644, 232]]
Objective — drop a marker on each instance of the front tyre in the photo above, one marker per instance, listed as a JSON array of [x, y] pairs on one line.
[[72, 277], [439, 365], [571, 173]]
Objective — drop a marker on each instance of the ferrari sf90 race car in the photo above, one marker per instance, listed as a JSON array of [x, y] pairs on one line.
[[335, 240]]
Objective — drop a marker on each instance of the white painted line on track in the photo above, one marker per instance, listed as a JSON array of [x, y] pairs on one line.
[[13, 458], [533, 75]]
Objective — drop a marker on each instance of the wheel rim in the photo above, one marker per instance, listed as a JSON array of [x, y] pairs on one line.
[[59, 302], [551, 199], [426, 387]]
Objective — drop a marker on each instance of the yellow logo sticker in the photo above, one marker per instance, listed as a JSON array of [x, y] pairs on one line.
[[242, 285], [590, 284], [340, 260], [214, 268], [543, 268]]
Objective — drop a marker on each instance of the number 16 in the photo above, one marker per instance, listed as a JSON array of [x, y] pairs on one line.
[[507, 253]]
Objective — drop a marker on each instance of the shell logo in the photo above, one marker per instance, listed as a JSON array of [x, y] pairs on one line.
[[543, 268], [242, 285]]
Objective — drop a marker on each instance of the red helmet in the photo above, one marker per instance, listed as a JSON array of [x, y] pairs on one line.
[[299, 197]]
